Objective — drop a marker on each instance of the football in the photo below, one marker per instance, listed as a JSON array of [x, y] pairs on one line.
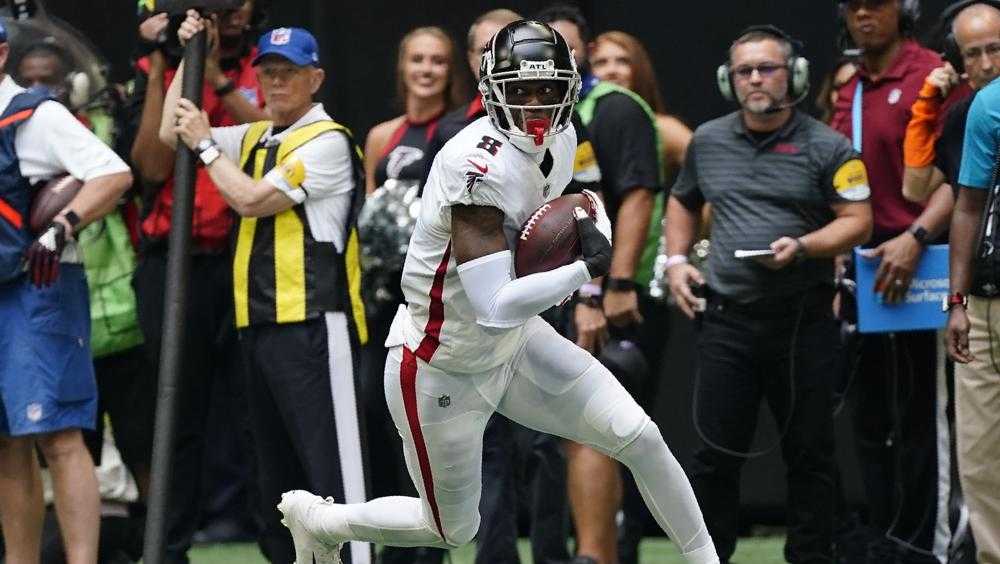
[[51, 199], [549, 238]]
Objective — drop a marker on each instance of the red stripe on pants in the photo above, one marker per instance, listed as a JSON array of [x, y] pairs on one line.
[[408, 383], [432, 332]]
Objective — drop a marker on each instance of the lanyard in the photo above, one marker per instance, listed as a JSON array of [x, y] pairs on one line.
[[856, 118]]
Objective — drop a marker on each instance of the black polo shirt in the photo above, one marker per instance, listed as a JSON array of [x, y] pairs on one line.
[[624, 139], [948, 147], [761, 190]]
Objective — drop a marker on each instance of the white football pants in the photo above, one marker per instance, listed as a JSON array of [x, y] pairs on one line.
[[550, 385]]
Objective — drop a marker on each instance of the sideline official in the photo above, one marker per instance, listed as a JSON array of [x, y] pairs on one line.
[[297, 184], [779, 180]]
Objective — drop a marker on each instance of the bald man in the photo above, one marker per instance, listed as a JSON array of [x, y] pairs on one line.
[[970, 326], [932, 153]]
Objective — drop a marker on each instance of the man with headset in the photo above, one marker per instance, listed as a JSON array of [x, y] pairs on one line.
[[898, 414], [788, 195]]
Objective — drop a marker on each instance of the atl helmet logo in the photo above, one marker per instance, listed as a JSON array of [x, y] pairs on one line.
[[538, 69], [281, 36]]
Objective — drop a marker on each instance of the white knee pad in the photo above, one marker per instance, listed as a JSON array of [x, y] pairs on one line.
[[647, 440], [614, 418]]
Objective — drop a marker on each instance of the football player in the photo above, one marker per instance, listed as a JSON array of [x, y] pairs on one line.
[[469, 341]]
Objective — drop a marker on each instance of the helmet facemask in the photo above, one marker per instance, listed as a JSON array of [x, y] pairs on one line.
[[534, 134]]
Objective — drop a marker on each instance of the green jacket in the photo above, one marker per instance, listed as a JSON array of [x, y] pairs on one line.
[[109, 261], [585, 108]]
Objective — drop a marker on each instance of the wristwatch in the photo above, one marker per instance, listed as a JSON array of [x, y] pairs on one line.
[[620, 284], [800, 250], [919, 233], [226, 88], [207, 151], [956, 299]]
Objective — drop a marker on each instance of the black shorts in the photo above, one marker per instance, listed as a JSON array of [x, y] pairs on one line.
[[126, 388]]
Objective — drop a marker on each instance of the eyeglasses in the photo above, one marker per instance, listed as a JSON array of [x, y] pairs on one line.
[[855, 5], [765, 70], [974, 54]]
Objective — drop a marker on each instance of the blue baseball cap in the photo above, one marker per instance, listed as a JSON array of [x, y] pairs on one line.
[[293, 43]]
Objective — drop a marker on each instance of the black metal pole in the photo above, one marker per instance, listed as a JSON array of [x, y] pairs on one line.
[[175, 306]]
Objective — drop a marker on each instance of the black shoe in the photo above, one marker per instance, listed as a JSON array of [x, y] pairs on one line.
[[851, 540], [224, 531], [914, 557], [882, 551]]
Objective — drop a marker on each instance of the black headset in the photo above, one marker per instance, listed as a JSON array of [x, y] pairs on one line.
[[909, 13], [798, 66], [949, 45]]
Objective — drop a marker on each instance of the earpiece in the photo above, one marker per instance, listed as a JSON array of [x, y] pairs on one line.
[[798, 66], [949, 46], [78, 89]]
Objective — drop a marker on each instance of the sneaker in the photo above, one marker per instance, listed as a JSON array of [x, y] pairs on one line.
[[295, 507]]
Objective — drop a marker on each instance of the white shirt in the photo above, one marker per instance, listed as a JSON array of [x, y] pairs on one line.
[[329, 173], [53, 142], [479, 166]]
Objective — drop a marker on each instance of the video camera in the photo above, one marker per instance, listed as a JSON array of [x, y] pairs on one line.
[[167, 42], [175, 7]]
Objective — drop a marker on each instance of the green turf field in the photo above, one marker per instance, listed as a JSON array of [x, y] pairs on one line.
[[758, 550]]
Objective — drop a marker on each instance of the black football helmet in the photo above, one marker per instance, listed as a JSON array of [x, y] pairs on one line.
[[528, 51]]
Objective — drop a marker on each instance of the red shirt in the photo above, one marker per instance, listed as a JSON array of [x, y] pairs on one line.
[[886, 104], [212, 219]]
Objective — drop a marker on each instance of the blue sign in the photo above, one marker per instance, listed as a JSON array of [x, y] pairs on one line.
[[919, 310]]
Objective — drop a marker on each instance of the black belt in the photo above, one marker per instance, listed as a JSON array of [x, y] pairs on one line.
[[813, 299]]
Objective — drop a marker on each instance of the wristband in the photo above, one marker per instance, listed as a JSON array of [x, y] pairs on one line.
[[590, 290], [674, 260], [225, 89], [956, 299], [620, 284]]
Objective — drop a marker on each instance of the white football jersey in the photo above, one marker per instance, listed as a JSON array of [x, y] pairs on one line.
[[476, 167]]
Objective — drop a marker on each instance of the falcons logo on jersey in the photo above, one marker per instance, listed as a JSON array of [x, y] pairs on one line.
[[472, 178]]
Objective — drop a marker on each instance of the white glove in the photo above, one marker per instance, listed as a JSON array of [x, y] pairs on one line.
[[601, 216]]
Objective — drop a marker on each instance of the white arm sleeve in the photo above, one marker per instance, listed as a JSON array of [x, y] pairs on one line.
[[502, 302]]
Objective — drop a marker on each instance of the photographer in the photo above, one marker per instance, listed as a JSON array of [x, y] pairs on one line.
[[784, 185], [231, 96]]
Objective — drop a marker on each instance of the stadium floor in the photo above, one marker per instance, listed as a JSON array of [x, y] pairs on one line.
[[756, 550]]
